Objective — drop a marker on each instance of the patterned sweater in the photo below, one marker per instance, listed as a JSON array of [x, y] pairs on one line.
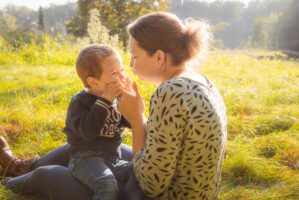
[[94, 124], [186, 137]]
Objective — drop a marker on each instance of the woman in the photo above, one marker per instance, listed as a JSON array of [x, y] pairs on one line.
[[178, 151]]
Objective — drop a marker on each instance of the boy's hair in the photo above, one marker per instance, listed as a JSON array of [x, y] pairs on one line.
[[89, 61]]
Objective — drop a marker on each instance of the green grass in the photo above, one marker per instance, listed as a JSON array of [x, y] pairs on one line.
[[262, 99]]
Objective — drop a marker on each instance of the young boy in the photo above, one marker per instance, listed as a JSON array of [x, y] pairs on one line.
[[93, 124]]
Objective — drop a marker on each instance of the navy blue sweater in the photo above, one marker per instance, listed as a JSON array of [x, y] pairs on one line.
[[94, 124]]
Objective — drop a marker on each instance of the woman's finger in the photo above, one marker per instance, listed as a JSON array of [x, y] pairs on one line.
[[136, 90]]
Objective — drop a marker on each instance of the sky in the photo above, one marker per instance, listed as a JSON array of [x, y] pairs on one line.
[[35, 4]]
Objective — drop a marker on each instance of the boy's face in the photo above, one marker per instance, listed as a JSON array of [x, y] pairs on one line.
[[112, 69]]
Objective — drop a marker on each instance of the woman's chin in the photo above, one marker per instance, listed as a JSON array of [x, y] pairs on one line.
[[143, 78]]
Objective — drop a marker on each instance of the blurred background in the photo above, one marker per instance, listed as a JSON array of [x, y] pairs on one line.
[[264, 24], [254, 61]]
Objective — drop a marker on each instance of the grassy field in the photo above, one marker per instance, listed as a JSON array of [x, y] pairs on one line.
[[262, 99]]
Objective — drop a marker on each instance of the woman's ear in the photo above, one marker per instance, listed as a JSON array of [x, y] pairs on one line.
[[160, 57]]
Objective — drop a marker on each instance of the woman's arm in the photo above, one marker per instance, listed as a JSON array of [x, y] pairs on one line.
[[131, 107], [139, 134]]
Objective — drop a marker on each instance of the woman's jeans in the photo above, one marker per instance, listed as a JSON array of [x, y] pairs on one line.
[[51, 178]]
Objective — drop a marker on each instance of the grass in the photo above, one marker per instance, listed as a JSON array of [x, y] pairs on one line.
[[262, 99]]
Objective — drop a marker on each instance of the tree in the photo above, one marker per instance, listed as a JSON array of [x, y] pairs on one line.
[[25, 17], [218, 12], [98, 33], [41, 25], [289, 28], [54, 17], [115, 15], [240, 21], [264, 34]]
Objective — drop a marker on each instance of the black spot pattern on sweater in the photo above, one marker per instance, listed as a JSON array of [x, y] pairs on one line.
[[186, 137]]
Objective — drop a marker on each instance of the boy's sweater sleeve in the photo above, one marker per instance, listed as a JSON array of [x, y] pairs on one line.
[[86, 122], [125, 123]]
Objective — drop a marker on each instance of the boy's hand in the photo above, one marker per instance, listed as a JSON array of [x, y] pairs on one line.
[[113, 90]]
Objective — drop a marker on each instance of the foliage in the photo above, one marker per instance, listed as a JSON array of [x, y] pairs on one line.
[[236, 24], [38, 49], [54, 17], [115, 15], [289, 28], [98, 33], [264, 34], [41, 25], [260, 24]]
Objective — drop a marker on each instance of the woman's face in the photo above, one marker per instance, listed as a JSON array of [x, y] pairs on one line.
[[143, 65]]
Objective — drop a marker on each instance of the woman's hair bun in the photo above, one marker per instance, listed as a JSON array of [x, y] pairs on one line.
[[196, 38]]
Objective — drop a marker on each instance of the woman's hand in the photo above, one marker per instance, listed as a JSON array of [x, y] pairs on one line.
[[127, 84], [131, 104]]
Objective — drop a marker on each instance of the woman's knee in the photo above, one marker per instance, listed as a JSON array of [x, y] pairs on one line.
[[56, 182], [40, 173]]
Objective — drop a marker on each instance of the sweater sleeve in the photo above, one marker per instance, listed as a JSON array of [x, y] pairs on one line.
[[155, 165], [124, 122], [87, 122]]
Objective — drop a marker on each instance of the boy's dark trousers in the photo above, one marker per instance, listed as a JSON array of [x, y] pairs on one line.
[[93, 169], [102, 174]]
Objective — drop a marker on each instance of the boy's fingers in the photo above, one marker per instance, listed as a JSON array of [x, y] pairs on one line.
[[114, 81], [113, 86]]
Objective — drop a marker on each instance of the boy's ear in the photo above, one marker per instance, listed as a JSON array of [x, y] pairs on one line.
[[91, 81]]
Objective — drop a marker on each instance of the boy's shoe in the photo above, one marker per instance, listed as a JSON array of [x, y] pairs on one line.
[[10, 164]]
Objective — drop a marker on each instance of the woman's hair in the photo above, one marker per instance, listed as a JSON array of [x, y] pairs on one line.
[[89, 61], [166, 32]]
